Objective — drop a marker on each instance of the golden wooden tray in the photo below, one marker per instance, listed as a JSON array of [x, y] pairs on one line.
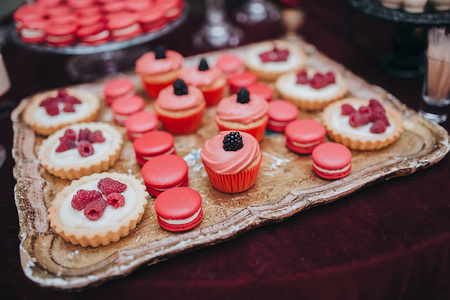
[[286, 185]]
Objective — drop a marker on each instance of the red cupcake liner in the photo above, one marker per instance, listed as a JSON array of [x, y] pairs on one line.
[[234, 183], [184, 125], [212, 97], [153, 89], [256, 132]]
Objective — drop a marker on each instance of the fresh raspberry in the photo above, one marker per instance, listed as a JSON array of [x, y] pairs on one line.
[[108, 186], [70, 134], [374, 103], [96, 137], [68, 107], [275, 55], [329, 78], [95, 209], [83, 134], [378, 113], [357, 119], [318, 81], [83, 198], [302, 78], [366, 111], [116, 200], [65, 143], [72, 100], [85, 148], [52, 109], [47, 101], [346, 109], [379, 126]]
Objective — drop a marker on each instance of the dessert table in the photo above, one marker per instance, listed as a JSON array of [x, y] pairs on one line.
[[389, 240]]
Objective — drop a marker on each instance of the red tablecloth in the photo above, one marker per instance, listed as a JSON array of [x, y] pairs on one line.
[[390, 240]]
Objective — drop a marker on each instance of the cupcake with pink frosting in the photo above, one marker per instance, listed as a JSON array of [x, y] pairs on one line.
[[232, 160], [243, 112], [180, 107], [209, 80], [158, 69]]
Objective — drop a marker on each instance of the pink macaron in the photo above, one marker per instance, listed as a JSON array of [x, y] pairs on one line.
[[164, 172], [281, 113], [94, 34], [179, 209], [173, 8], [230, 64], [332, 160], [125, 107], [117, 88], [139, 123], [261, 89], [124, 25], [28, 12], [303, 135], [33, 31], [152, 144], [61, 35], [241, 80], [152, 19]]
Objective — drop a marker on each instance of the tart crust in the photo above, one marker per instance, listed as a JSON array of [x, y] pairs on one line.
[[261, 70], [309, 102], [82, 168], [356, 142], [98, 236], [88, 98]]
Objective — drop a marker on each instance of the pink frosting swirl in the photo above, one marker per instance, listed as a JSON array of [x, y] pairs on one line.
[[195, 77], [231, 110], [229, 162], [169, 101], [149, 65]]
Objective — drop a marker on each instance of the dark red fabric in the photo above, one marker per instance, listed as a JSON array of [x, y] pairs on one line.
[[390, 240]]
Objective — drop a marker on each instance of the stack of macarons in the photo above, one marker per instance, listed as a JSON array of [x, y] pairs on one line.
[[62, 23]]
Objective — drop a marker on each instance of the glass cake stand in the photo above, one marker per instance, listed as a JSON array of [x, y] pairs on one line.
[[94, 62], [410, 37]]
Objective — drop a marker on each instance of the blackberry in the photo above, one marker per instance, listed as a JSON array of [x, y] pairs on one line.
[[243, 96], [203, 65], [160, 52], [232, 141], [180, 88]]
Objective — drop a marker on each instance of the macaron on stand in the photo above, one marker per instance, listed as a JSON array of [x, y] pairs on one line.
[[286, 185]]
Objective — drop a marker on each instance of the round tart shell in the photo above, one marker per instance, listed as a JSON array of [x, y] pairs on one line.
[[356, 142], [84, 96], [269, 75], [98, 236], [310, 103], [80, 169]]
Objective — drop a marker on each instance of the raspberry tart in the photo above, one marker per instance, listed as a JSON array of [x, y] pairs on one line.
[[98, 209], [50, 111], [269, 60], [80, 149], [311, 89], [362, 124]]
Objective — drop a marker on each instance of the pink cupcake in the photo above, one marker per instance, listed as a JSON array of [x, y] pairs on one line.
[[208, 79], [243, 112], [232, 160], [180, 108]]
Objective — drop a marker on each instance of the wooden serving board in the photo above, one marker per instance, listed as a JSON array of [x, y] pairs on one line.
[[286, 185]]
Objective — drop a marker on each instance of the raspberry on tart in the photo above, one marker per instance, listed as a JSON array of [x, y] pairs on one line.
[[362, 124], [50, 111], [311, 89], [82, 214], [80, 149]]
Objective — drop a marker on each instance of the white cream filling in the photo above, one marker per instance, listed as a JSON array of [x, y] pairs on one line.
[[164, 189], [76, 219], [120, 118], [45, 119], [126, 30], [291, 88], [341, 123], [57, 39], [182, 221], [73, 157], [331, 171], [277, 123], [32, 33], [150, 157], [100, 35], [304, 145], [290, 63]]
